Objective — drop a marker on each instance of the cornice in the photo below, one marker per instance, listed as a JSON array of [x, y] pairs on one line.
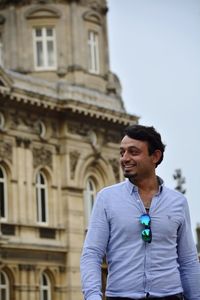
[[33, 99], [59, 91], [60, 96], [100, 113], [68, 105]]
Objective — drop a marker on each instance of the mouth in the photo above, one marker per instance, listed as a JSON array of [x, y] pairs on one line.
[[128, 167]]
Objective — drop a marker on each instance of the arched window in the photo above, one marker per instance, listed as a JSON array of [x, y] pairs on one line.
[[41, 197], [4, 286], [45, 287], [89, 197], [3, 194]]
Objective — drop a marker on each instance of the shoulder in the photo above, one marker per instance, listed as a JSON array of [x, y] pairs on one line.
[[113, 188], [173, 191], [174, 195], [113, 192], [111, 196]]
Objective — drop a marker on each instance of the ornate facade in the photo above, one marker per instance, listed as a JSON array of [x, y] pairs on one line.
[[61, 120]]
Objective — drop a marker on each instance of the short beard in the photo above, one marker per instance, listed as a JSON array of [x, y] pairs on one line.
[[130, 176]]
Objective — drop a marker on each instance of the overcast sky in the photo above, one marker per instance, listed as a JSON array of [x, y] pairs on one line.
[[155, 51]]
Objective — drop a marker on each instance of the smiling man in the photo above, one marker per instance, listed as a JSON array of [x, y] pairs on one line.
[[144, 230]]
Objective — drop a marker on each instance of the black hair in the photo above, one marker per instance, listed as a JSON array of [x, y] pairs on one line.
[[147, 134]]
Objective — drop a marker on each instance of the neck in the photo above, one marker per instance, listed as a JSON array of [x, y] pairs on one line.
[[147, 189], [147, 184]]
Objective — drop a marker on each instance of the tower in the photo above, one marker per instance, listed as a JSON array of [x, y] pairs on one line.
[[61, 119]]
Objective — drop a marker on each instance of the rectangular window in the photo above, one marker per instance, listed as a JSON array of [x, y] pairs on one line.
[[41, 198], [2, 200], [44, 48], [3, 195], [43, 206], [93, 50]]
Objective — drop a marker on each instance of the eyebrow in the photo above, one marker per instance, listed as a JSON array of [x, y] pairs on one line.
[[130, 148]]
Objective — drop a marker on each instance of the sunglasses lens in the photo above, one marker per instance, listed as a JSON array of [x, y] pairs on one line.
[[145, 220], [146, 235]]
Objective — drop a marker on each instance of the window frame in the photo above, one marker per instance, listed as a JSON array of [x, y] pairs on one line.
[[4, 183], [41, 191], [46, 288], [89, 197], [44, 39], [93, 52], [5, 286]]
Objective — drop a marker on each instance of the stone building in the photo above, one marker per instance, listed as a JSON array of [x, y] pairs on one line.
[[61, 119]]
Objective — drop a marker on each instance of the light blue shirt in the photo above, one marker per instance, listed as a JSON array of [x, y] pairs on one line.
[[166, 266]]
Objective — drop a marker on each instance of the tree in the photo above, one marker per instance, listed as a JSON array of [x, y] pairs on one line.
[[180, 181]]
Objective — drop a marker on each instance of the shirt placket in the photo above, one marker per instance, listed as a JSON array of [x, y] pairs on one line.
[[147, 247]]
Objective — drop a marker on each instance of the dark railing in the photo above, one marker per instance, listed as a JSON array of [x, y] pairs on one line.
[[48, 233], [7, 229]]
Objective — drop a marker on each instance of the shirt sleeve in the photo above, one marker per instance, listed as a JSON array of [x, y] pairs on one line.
[[93, 251], [188, 258]]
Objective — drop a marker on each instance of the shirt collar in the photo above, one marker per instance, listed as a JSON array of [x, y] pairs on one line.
[[133, 188]]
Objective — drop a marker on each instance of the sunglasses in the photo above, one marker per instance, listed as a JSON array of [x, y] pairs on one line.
[[146, 233]]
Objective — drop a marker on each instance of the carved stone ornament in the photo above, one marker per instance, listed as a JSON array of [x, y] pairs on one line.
[[42, 157], [5, 151], [4, 3], [21, 2], [21, 122], [23, 142], [113, 137], [96, 143], [115, 166], [73, 157], [78, 128], [98, 5], [27, 267]]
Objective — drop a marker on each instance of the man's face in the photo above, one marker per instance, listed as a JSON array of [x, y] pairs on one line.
[[135, 160]]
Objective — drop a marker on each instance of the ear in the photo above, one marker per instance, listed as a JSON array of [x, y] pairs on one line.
[[156, 156]]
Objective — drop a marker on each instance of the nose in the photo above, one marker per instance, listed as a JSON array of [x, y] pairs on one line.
[[125, 157]]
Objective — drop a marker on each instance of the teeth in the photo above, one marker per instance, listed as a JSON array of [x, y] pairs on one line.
[[130, 166]]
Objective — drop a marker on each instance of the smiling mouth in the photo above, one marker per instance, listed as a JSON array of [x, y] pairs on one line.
[[127, 167]]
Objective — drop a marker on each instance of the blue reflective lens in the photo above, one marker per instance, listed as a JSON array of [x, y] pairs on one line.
[[146, 235], [145, 220]]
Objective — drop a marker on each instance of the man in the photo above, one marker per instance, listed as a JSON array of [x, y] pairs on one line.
[[144, 230]]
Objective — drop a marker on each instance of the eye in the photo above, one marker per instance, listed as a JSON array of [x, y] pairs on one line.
[[121, 153], [134, 152]]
